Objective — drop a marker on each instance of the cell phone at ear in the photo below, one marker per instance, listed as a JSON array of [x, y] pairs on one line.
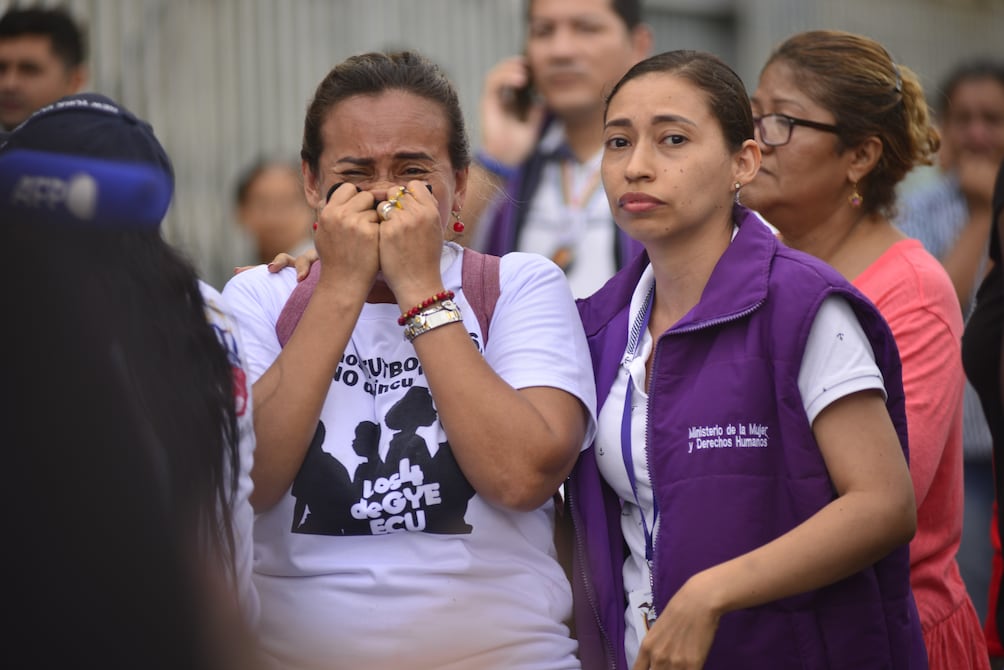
[[519, 100], [522, 99]]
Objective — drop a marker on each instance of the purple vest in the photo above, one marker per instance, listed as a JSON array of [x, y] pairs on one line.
[[734, 465]]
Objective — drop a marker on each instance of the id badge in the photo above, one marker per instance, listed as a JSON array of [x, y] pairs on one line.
[[643, 612]]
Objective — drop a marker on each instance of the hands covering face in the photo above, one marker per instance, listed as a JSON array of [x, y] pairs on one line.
[[396, 231]]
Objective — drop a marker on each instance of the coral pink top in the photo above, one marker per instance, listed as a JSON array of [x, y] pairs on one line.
[[917, 299]]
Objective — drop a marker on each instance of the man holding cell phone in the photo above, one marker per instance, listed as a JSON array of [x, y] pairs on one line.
[[536, 175]]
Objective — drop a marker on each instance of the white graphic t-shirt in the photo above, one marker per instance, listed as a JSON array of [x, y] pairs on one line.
[[382, 555], [219, 315]]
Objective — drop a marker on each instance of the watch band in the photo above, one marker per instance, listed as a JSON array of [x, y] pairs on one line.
[[440, 314]]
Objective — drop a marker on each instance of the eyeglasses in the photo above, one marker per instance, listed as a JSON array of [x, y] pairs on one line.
[[775, 129]]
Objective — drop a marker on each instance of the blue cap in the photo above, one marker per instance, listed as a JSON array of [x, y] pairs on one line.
[[85, 160]]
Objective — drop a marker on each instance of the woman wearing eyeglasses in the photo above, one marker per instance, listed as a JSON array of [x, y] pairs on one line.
[[839, 125]]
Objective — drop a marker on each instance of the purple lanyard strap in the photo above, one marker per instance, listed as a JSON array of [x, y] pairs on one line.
[[638, 328]]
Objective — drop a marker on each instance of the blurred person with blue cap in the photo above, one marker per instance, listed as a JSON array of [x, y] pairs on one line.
[[131, 410], [84, 160]]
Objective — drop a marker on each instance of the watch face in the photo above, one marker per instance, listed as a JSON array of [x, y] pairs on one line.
[[440, 315]]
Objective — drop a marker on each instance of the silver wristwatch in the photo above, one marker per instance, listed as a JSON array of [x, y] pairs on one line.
[[438, 315]]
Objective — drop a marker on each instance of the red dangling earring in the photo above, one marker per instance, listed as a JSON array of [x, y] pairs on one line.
[[458, 225]]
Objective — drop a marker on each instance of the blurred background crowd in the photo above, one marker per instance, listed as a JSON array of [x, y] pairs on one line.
[[225, 82]]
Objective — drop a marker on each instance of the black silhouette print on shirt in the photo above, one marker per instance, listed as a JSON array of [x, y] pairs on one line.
[[411, 489]]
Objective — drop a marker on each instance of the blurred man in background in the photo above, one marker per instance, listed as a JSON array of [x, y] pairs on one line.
[[542, 139], [42, 59]]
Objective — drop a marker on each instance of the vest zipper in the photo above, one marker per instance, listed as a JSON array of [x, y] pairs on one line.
[[648, 423]]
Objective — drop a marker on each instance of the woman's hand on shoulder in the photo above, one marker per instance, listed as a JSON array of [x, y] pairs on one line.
[[283, 260]]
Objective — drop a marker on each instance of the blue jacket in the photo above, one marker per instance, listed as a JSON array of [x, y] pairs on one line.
[[729, 368], [509, 217]]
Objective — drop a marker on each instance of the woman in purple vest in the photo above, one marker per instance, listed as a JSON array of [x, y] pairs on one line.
[[747, 502]]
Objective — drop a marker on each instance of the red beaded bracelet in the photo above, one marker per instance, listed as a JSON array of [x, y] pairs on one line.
[[425, 304]]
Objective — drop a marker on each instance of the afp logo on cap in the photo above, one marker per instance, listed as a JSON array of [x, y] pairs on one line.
[[78, 194], [44, 187]]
